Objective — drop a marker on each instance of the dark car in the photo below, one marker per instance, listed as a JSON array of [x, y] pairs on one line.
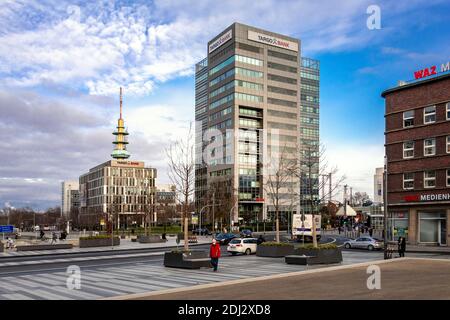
[[201, 231], [246, 233], [225, 238]]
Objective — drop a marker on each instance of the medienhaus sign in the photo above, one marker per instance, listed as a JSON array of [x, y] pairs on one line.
[[428, 197], [273, 41], [222, 39]]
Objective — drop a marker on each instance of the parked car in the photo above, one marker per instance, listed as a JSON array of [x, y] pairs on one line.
[[201, 231], [246, 233], [242, 245], [364, 243], [224, 238]]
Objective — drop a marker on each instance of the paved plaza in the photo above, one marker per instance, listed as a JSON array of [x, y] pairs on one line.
[[119, 277], [405, 278]]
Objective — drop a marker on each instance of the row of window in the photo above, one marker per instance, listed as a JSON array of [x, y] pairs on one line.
[[249, 73], [310, 132], [309, 76], [250, 112], [281, 67], [310, 120], [281, 55], [218, 173], [309, 87], [223, 76], [282, 91], [429, 179], [275, 77], [220, 114], [429, 116], [309, 109], [283, 126], [281, 102], [281, 114], [429, 147], [238, 96], [234, 58], [309, 98], [249, 123], [222, 125]]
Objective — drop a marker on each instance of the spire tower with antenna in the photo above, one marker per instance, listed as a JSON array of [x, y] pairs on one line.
[[120, 149]]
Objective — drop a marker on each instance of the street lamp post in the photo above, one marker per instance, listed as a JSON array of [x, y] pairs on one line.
[[385, 224]]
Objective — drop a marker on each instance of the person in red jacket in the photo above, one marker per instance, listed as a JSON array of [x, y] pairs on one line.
[[214, 253]]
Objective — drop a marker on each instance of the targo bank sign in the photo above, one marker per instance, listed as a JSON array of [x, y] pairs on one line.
[[431, 71]]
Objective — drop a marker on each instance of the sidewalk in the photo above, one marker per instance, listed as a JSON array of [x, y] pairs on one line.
[[125, 244], [348, 282]]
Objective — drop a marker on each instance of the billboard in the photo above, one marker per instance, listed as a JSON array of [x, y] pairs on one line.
[[273, 41]]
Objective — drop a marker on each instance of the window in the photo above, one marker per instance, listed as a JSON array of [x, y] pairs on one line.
[[408, 118], [429, 147], [448, 110], [429, 114], [249, 60], [448, 177], [249, 73], [408, 149], [221, 65], [408, 181], [448, 144], [282, 102], [281, 67], [429, 179], [274, 77], [280, 55]]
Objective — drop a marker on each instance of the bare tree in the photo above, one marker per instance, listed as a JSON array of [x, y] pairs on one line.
[[316, 175], [181, 172], [282, 167], [360, 198]]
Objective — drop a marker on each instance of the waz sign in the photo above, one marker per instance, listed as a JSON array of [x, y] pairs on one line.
[[428, 197], [431, 71]]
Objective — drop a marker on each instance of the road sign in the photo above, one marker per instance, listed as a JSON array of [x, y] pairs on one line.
[[6, 229]]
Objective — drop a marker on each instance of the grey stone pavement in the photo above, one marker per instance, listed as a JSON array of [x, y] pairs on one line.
[[146, 273], [400, 279]]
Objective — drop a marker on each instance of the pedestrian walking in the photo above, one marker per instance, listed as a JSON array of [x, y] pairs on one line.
[[54, 237], [260, 239], [370, 231], [214, 253], [339, 229], [9, 243], [401, 246]]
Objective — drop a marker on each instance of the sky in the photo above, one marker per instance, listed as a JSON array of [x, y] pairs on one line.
[[62, 63]]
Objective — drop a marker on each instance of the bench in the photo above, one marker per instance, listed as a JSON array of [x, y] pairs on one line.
[[193, 260]]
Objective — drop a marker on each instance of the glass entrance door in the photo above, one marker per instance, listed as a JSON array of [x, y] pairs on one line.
[[432, 227]]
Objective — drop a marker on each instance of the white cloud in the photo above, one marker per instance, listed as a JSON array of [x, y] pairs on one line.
[[102, 45]]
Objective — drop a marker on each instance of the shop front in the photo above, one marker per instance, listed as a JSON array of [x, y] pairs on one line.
[[419, 225]]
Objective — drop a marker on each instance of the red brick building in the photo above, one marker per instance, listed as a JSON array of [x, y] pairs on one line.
[[418, 160]]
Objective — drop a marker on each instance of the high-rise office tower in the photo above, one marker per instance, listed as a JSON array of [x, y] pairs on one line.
[[250, 107]]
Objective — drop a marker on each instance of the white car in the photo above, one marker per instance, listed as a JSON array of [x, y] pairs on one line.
[[242, 245]]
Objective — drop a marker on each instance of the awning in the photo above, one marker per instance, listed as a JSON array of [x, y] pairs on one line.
[[350, 211]]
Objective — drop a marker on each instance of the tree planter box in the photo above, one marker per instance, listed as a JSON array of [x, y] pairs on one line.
[[37, 247], [191, 260], [318, 256], [106, 242], [274, 251], [150, 239]]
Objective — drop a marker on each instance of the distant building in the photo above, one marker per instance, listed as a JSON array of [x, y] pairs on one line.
[[378, 186], [70, 197], [166, 203], [121, 188]]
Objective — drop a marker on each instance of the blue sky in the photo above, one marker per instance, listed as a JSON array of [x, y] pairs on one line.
[[61, 63]]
